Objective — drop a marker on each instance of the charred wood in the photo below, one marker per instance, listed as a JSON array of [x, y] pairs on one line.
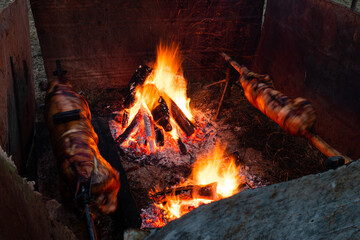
[[122, 137], [137, 79], [125, 118], [181, 146], [149, 130], [161, 115], [187, 193], [159, 136], [181, 119]]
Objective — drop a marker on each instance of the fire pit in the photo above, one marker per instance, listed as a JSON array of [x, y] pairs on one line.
[[157, 128], [156, 115], [176, 155]]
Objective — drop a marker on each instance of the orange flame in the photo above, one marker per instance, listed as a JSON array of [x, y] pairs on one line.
[[168, 77], [166, 81], [212, 168]]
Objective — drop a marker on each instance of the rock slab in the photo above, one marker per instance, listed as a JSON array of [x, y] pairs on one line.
[[321, 206]]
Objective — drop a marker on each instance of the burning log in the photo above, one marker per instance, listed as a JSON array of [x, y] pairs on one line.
[[161, 115], [181, 146], [125, 118], [75, 145], [149, 130], [187, 193], [122, 137], [180, 118], [137, 79], [157, 106], [159, 136], [296, 117]]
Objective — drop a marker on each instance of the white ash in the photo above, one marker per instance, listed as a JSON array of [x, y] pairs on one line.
[[175, 165], [171, 156]]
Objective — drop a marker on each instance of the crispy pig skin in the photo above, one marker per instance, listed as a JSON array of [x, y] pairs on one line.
[[296, 117], [75, 147]]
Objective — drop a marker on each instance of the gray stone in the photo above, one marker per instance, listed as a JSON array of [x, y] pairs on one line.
[[321, 206], [5, 3]]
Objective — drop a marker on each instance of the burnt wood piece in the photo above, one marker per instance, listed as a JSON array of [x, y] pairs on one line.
[[181, 146], [161, 115], [122, 137], [137, 79], [187, 193], [125, 118], [180, 118], [159, 136], [149, 130]]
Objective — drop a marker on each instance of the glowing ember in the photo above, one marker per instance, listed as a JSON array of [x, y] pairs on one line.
[[160, 110], [166, 80], [159, 122], [210, 169], [168, 77], [213, 168]]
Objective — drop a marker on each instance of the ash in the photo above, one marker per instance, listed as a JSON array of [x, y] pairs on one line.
[[167, 167], [200, 142], [152, 217]]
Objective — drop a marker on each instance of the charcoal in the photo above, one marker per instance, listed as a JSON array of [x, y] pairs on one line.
[[181, 119], [181, 146], [137, 79], [159, 136], [122, 137], [161, 115]]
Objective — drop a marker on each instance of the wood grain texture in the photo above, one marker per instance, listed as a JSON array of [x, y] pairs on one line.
[[312, 49], [17, 102], [101, 43]]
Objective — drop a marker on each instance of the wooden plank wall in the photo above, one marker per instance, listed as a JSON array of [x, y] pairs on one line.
[[312, 49], [101, 43], [17, 102]]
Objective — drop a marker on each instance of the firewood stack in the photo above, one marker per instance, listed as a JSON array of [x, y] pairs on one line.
[[74, 143], [161, 108]]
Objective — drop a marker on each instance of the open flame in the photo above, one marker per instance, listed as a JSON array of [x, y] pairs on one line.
[[166, 81], [161, 107], [168, 77], [211, 169]]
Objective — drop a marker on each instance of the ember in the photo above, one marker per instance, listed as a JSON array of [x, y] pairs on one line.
[[157, 123], [156, 113], [212, 178]]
